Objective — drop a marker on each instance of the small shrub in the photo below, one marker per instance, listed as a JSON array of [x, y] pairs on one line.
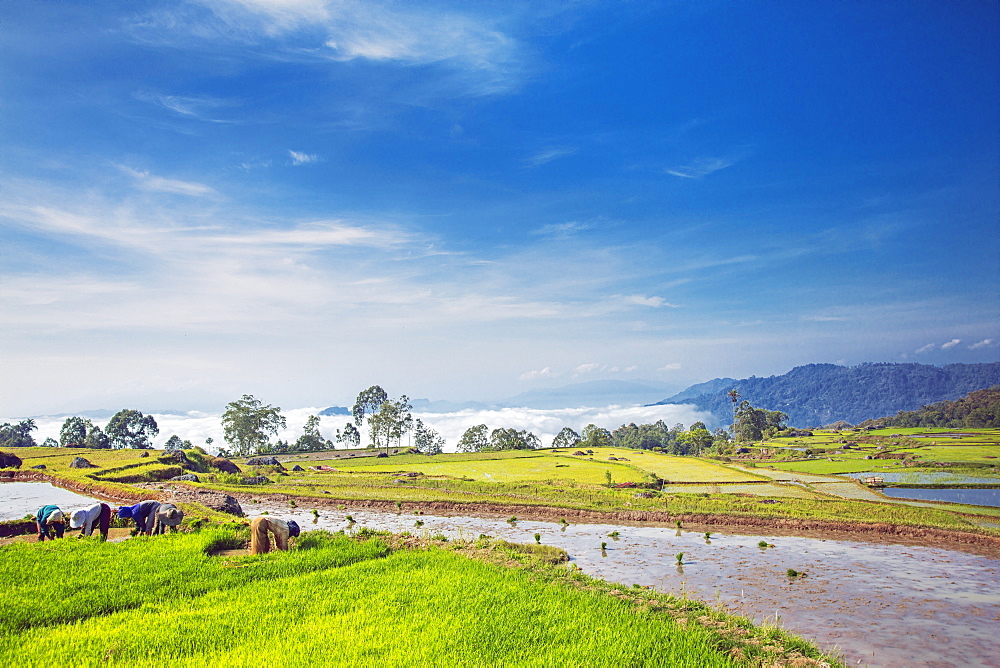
[[792, 573], [762, 545]]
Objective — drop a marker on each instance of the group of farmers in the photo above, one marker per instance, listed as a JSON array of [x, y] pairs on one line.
[[151, 518]]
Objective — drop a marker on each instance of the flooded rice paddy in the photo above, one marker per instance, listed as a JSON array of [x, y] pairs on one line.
[[875, 602], [878, 604], [929, 477], [975, 497], [18, 499]]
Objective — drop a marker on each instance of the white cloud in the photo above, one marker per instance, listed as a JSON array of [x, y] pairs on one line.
[[950, 344], [562, 230], [149, 182], [547, 372], [299, 158], [655, 302], [925, 349], [548, 155], [673, 366], [981, 344], [587, 368], [465, 41], [701, 167]]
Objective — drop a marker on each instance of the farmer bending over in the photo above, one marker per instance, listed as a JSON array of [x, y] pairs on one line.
[[50, 517], [167, 515], [143, 513], [281, 530], [98, 514]]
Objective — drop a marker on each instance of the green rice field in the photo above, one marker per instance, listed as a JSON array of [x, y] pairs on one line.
[[337, 600]]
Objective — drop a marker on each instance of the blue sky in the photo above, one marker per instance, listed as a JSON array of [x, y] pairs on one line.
[[300, 198]]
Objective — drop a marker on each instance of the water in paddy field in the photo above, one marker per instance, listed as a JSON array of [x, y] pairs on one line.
[[18, 499], [878, 604], [929, 477], [976, 497]]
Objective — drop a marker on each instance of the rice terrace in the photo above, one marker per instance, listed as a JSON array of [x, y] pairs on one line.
[[774, 556]]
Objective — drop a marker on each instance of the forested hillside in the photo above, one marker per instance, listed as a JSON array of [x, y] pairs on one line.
[[979, 409], [818, 394]]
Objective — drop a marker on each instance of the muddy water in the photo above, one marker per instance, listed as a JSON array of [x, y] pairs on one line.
[[876, 604], [18, 499]]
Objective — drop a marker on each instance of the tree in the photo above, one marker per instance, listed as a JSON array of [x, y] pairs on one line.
[[131, 429], [74, 432], [311, 439], [734, 397], [475, 439], [750, 423], [50, 443], [566, 438], [350, 437], [695, 440], [248, 423], [174, 443], [367, 403], [427, 440], [595, 437], [18, 435], [390, 422], [96, 438], [512, 439]]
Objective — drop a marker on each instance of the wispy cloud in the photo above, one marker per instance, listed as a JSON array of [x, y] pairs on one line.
[[197, 107], [299, 158], [563, 230], [947, 345], [150, 182], [985, 343], [672, 366], [701, 167], [466, 41], [653, 301], [548, 155], [586, 368], [547, 372]]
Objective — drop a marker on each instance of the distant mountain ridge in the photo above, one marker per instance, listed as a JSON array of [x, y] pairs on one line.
[[817, 394]]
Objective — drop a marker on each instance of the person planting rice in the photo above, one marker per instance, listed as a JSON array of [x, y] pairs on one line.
[[167, 515], [86, 518], [50, 518], [281, 530], [144, 514]]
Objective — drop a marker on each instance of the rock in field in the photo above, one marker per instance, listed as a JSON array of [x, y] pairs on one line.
[[187, 477], [9, 461], [81, 463]]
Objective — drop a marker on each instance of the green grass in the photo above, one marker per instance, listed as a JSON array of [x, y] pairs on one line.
[[331, 605], [507, 469]]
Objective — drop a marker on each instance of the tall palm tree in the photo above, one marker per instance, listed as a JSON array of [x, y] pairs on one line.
[[734, 397]]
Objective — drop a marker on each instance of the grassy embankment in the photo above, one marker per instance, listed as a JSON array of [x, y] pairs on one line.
[[335, 599]]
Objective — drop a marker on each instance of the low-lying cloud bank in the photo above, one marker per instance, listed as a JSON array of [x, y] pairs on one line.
[[198, 427]]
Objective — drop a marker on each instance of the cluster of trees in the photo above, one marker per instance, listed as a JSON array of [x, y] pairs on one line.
[[979, 409], [480, 439], [248, 425], [675, 440], [127, 429]]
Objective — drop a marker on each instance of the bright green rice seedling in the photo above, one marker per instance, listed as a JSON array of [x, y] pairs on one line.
[[538, 538], [680, 558]]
